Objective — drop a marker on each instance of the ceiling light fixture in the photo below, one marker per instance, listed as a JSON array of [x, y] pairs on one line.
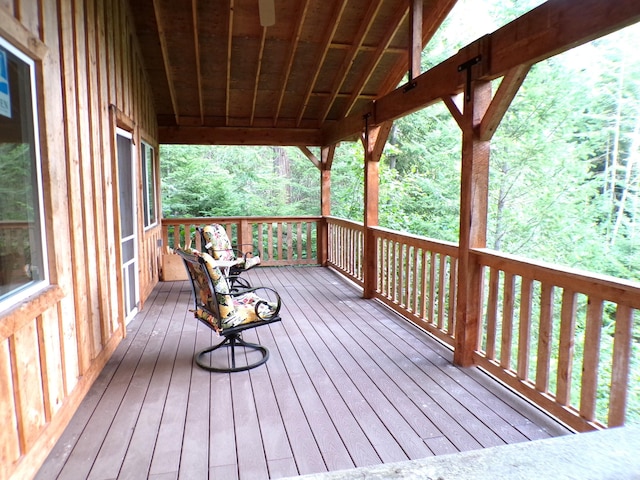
[[267, 11]]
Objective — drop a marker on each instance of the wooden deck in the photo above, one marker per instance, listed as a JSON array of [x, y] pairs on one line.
[[349, 383]]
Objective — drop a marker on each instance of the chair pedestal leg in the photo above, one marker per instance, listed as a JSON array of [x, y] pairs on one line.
[[231, 342]]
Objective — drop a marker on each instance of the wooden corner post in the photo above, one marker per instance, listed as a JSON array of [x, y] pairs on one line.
[[474, 189], [326, 162], [374, 139]]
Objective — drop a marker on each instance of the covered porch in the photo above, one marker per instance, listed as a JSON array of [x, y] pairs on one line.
[[349, 384]]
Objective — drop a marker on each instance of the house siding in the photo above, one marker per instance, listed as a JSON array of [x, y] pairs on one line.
[[90, 80]]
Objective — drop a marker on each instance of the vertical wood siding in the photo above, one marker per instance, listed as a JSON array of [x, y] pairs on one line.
[[53, 346]]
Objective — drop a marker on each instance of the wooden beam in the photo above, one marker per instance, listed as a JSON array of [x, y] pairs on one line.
[[454, 110], [196, 50], [239, 136], [326, 44], [432, 19], [327, 154], [257, 77], [309, 154], [373, 141], [415, 38], [165, 59], [550, 29], [229, 51], [502, 99], [293, 46], [365, 26], [443, 80], [474, 188], [555, 27], [394, 26], [347, 128]]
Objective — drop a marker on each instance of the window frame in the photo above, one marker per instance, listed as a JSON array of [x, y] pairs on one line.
[[19, 294], [147, 159]]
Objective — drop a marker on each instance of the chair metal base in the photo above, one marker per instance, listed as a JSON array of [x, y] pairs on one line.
[[231, 341]]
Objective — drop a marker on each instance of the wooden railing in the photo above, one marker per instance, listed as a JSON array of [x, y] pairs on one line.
[[345, 247], [564, 339], [561, 337], [417, 277], [278, 241]]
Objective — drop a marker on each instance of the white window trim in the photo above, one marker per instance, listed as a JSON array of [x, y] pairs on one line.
[[153, 179], [34, 287]]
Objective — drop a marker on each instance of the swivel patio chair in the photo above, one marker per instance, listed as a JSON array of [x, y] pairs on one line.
[[216, 243], [228, 313]]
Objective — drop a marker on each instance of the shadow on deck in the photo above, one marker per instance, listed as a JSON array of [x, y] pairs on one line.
[[348, 384]]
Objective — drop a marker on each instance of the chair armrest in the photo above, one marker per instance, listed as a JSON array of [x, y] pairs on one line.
[[278, 300]]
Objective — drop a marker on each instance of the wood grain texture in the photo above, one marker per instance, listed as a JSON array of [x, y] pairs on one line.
[[348, 383]]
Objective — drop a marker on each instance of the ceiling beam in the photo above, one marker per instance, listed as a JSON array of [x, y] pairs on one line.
[[258, 72], [196, 49], [550, 29], [162, 34], [394, 26], [415, 38], [293, 46], [326, 44], [431, 21], [198, 135], [229, 51], [341, 75]]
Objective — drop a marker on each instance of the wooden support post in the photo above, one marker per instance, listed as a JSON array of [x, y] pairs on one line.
[[415, 37], [374, 140], [326, 162], [474, 190], [245, 237]]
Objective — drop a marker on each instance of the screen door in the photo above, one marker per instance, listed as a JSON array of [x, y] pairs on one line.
[[128, 227]]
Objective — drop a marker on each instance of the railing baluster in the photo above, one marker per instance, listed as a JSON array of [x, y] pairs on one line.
[[424, 285], [566, 346], [416, 279], [524, 333], [492, 313], [620, 368], [507, 321], [432, 288], [441, 290], [591, 358], [545, 337], [453, 282]]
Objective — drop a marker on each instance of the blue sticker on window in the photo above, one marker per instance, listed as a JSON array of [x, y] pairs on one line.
[[5, 97]]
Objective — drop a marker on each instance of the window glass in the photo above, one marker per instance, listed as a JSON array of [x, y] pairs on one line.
[[22, 248], [148, 185]]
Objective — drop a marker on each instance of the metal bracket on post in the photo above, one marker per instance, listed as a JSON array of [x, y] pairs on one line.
[[467, 66]]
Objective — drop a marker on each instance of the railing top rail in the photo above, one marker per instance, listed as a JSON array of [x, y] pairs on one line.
[[181, 220], [593, 284], [449, 248], [344, 221]]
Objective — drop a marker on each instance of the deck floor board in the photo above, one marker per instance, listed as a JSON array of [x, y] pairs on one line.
[[348, 383]]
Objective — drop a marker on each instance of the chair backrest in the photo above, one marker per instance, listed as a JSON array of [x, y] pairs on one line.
[[216, 241], [214, 304]]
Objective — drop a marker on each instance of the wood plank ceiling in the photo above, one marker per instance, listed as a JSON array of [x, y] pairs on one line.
[[219, 77]]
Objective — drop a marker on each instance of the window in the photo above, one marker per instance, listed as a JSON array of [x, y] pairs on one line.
[[22, 245], [149, 185]]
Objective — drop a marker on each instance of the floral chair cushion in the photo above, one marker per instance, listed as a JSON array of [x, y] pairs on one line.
[[236, 310], [218, 241]]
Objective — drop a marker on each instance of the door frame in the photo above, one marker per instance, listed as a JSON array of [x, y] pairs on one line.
[[130, 310]]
